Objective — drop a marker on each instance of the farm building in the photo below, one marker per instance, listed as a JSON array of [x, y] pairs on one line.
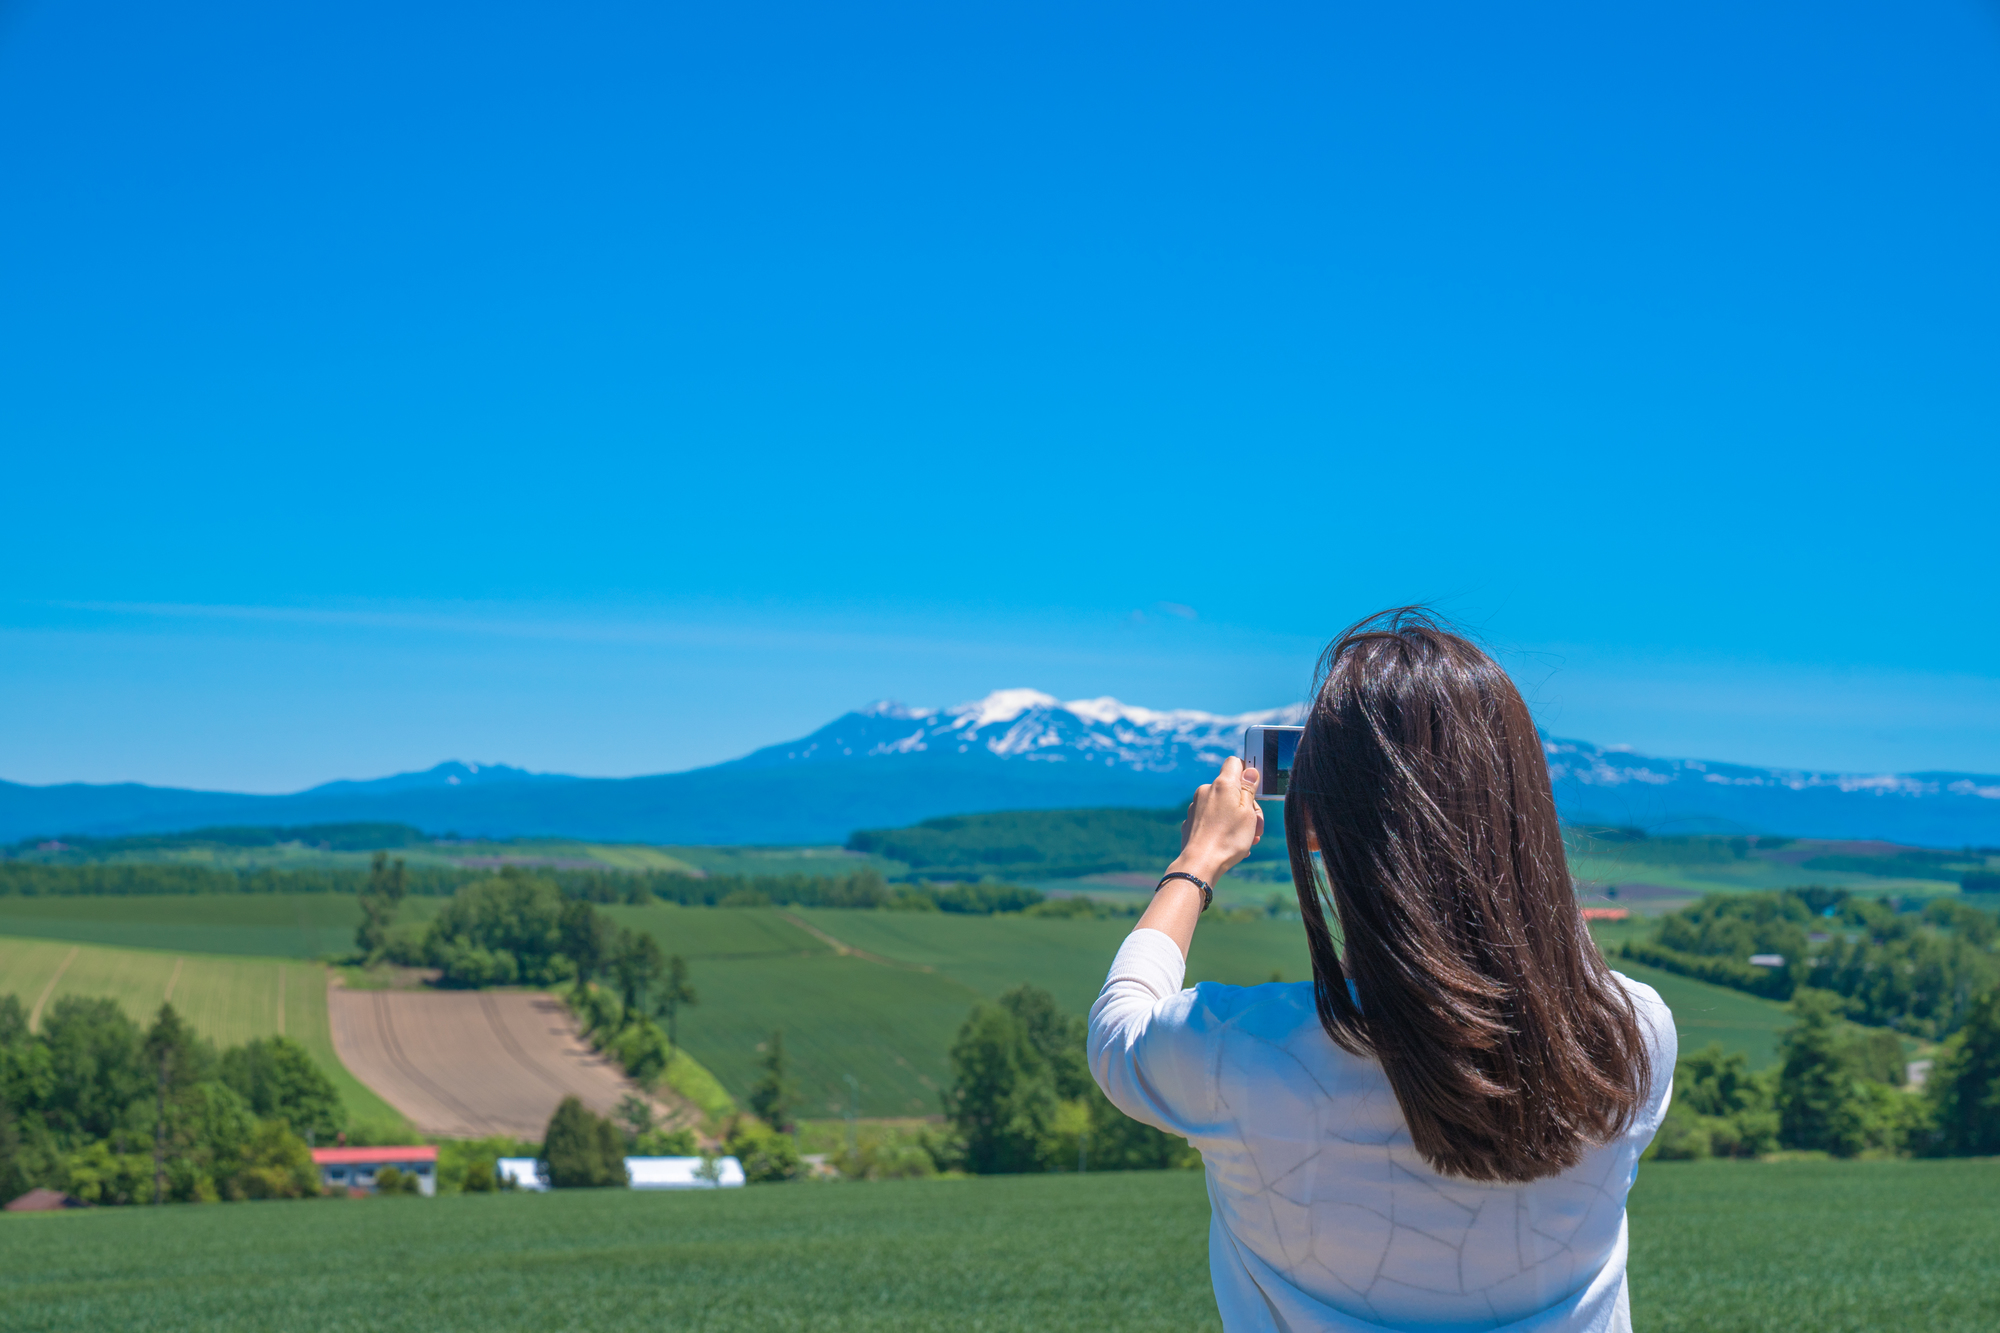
[[525, 1173], [642, 1173], [355, 1169], [681, 1173]]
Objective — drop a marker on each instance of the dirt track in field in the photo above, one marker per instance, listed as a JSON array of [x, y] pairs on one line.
[[467, 1064]]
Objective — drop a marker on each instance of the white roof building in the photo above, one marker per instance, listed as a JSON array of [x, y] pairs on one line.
[[682, 1173], [525, 1172]]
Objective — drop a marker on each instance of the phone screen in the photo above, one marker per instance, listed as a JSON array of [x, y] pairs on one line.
[[1279, 747]]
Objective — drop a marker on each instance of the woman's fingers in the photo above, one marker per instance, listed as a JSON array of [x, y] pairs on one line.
[[1224, 821]]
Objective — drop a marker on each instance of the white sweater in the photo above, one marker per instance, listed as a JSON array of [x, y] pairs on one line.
[[1324, 1216]]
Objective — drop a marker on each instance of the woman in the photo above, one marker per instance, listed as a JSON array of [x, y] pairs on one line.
[[1439, 1130]]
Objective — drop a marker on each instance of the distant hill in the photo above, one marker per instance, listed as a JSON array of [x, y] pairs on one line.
[[888, 766], [1038, 844]]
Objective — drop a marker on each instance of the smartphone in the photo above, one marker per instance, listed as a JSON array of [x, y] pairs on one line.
[[1269, 750]]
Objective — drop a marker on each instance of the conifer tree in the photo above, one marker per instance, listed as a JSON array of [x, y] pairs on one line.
[[674, 993], [1816, 1095], [774, 1094], [1967, 1085]]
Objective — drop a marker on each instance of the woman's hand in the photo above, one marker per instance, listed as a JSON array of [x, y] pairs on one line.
[[1223, 823]]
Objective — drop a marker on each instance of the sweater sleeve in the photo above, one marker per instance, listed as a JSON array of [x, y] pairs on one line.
[[1148, 1046]]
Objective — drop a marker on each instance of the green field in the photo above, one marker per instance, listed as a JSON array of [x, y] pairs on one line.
[[1068, 958], [1772, 1247], [1720, 1248], [884, 1013], [264, 925], [1705, 1013], [1604, 866], [887, 1025], [228, 1000]]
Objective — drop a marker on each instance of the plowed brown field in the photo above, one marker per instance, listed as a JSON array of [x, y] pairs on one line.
[[468, 1064]]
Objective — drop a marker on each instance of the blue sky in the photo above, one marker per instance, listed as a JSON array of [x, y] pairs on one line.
[[613, 389]]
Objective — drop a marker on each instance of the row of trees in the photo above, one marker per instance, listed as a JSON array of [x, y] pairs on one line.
[[95, 1106], [1915, 971], [865, 888], [1839, 1092], [387, 881], [120, 879]]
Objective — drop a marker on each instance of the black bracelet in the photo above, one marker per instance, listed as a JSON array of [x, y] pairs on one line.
[[1207, 894]]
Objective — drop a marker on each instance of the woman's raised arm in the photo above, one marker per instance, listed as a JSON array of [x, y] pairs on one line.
[[1224, 822]]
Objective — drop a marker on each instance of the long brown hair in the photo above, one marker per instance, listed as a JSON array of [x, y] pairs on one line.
[[1511, 1048]]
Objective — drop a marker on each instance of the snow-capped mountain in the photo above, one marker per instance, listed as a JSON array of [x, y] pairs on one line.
[[1599, 785], [1036, 728], [888, 765]]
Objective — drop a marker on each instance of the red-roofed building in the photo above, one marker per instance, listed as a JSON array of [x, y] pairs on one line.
[[354, 1169]]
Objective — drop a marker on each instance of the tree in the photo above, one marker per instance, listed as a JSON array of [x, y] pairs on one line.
[[772, 1096], [674, 993], [173, 1058], [1120, 1143], [276, 1164], [387, 883], [586, 940], [1815, 1087], [94, 1068], [1057, 1037], [583, 1150], [1002, 1098], [500, 931], [636, 965], [279, 1081], [1824, 1100], [636, 1114], [1965, 1085]]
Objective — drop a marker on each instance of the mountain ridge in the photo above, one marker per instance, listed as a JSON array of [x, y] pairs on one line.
[[888, 765]]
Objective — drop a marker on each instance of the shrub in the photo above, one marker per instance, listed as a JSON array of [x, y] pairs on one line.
[[878, 1153], [666, 1143], [277, 1165], [642, 1049], [767, 1156], [392, 1181]]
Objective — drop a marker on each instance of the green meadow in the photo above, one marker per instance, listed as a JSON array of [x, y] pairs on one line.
[[227, 999], [1716, 1248], [265, 925], [875, 995], [879, 995]]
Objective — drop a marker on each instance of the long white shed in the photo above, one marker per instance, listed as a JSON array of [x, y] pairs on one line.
[[682, 1173]]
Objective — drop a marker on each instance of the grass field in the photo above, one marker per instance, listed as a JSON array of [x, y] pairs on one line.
[[1705, 1013], [227, 999], [888, 1025], [1721, 1248], [264, 925], [885, 1014], [1732, 1247], [1743, 876], [1068, 958]]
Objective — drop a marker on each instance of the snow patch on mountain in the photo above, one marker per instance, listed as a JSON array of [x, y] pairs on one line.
[[1032, 726], [1615, 766]]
